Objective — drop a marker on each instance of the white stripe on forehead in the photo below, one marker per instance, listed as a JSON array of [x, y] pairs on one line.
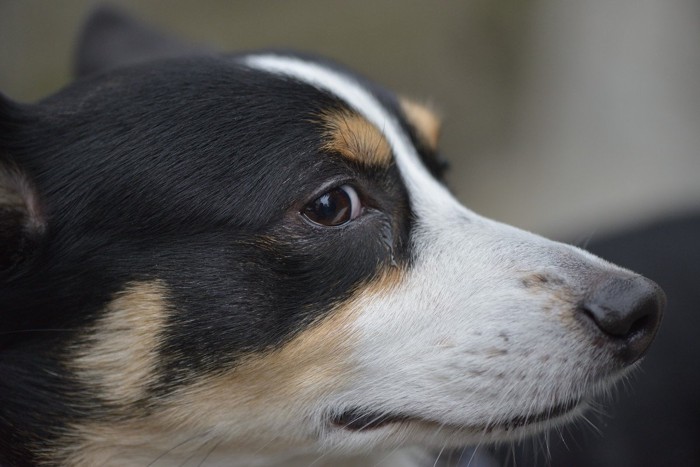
[[423, 188]]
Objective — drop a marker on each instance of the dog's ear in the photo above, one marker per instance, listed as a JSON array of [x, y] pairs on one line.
[[21, 221], [111, 38]]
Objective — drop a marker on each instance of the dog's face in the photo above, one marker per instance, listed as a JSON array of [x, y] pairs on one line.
[[256, 253]]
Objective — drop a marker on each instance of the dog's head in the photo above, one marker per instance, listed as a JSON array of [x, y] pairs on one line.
[[256, 253]]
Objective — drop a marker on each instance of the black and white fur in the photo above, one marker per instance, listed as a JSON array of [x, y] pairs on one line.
[[168, 298]]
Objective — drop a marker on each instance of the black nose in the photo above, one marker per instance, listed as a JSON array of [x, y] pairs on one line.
[[627, 309]]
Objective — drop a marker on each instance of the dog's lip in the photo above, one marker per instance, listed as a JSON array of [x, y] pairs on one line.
[[364, 420], [361, 420]]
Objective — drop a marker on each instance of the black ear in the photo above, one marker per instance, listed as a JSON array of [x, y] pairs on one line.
[[21, 221], [112, 38]]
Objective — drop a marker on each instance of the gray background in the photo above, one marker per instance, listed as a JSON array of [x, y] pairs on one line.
[[571, 119]]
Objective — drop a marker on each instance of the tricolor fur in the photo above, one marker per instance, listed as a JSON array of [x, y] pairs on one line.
[[166, 300]]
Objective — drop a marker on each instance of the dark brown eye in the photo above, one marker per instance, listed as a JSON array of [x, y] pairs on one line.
[[338, 206]]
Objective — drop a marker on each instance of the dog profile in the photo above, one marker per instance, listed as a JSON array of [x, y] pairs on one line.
[[251, 259]]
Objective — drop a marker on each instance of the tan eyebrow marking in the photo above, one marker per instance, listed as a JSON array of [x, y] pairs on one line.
[[424, 120], [355, 138]]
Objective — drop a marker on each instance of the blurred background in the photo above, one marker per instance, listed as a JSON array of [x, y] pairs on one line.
[[576, 120], [566, 118]]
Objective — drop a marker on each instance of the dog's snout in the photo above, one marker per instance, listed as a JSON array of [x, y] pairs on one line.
[[628, 311]]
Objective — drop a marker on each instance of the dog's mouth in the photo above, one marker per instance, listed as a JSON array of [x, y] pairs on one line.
[[363, 420]]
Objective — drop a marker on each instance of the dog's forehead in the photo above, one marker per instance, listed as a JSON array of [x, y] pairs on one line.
[[361, 121], [261, 96], [376, 109]]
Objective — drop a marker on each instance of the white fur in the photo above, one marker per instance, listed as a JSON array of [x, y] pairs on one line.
[[460, 341]]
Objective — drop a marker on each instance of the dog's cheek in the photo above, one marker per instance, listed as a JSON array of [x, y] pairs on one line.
[[114, 363], [283, 391], [279, 396], [118, 356]]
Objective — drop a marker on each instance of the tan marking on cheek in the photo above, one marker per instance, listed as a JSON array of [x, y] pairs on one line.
[[286, 381], [424, 120], [356, 139], [268, 401], [383, 283], [262, 403], [119, 354]]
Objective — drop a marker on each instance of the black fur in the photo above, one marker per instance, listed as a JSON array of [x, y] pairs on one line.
[[192, 171]]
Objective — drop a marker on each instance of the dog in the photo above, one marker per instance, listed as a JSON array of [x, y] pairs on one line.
[[252, 259]]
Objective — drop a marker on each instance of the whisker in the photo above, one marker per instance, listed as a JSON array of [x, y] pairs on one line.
[[592, 425], [437, 459], [182, 443], [210, 452]]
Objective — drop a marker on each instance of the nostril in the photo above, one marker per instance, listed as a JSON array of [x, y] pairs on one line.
[[639, 325], [628, 310], [616, 322]]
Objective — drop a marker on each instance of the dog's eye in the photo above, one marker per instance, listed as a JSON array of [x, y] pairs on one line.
[[338, 206]]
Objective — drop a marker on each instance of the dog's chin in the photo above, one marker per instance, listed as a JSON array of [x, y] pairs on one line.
[[510, 427]]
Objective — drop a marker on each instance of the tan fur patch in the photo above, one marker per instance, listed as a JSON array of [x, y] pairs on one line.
[[424, 120], [119, 353], [264, 403], [356, 139]]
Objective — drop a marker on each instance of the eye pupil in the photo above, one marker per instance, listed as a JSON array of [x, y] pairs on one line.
[[336, 207]]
